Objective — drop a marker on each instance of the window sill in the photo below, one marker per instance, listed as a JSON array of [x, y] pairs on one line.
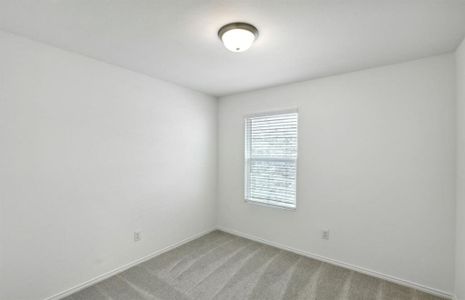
[[272, 205]]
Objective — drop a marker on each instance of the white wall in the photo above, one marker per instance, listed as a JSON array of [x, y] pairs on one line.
[[460, 242], [376, 168], [89, 153]]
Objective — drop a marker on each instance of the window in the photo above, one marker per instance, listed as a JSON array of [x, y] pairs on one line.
[[271, 159]]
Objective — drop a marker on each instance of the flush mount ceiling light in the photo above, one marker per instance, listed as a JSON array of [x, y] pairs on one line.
[[238, 37]]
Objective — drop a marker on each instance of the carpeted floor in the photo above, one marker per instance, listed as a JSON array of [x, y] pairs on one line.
[[223, 266]]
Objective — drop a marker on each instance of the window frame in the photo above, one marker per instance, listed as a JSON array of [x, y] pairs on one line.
[[246, 160]]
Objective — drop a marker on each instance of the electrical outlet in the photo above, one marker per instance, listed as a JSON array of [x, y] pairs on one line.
[[325, 234], [137, 236]]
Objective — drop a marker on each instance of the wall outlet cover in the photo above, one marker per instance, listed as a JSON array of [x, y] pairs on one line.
[[137, 236]]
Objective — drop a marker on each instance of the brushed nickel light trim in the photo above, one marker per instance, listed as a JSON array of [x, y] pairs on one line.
[[238, 25]]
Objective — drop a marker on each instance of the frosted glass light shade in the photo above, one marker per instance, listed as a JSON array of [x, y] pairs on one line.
[[238, 37]]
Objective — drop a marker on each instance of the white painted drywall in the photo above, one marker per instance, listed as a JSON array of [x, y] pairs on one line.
[[460, 242], [376, 168], [89, 153]]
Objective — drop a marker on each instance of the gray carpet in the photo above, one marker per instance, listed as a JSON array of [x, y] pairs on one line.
[[223, 266]]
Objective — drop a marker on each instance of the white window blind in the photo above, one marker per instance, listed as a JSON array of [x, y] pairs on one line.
[[271, 159]]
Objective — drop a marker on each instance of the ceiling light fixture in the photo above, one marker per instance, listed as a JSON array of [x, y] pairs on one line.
[[238, 37]]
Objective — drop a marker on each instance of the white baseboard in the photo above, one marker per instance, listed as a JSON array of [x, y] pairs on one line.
[[124, 267], [389, 278]]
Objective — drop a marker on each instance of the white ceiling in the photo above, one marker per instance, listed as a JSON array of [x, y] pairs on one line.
[[176, 40]]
